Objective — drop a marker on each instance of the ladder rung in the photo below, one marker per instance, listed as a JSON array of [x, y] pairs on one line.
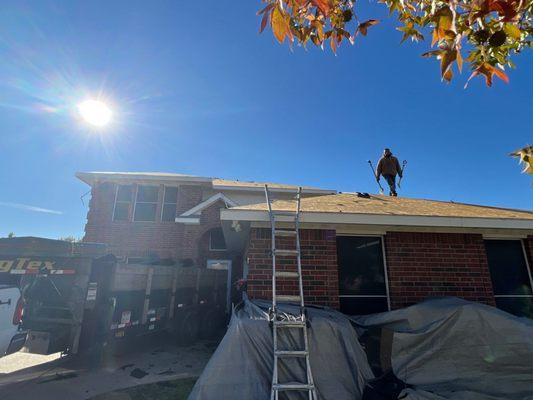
[[284, 214], [287, 274], [288, 298], [281, 232], [293, 386], [286, 252], [291, 353], [290, 324]]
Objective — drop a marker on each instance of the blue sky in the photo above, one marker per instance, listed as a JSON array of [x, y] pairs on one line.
[[195, 89]]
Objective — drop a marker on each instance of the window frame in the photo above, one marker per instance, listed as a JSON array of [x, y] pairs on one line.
[[117, 186], [385, 270], [163, 203], [528, 267], [145, 202], [211, 248]]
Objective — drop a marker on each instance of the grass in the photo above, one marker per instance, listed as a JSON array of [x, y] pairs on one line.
[[177, 389]]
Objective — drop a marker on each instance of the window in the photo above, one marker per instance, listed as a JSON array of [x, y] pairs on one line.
[[170, 199], [216, 240], [362, 279], [146, 203], [121, 211], [511, 277]]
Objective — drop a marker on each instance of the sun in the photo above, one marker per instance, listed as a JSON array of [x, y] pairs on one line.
[[95, 112]]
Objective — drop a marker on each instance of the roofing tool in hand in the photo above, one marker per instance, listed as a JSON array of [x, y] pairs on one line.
[[404, 163], [375, 177]]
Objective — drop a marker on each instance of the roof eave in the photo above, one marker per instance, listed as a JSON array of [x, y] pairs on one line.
[[385, 220], [91, 177]]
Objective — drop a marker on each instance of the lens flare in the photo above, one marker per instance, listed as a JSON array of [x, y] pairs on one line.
[[95, 112]]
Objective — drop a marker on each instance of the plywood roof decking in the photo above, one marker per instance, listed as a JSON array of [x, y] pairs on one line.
[[384, 205], [261, 185]]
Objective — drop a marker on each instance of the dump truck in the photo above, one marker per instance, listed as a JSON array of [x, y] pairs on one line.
[[78, 297]]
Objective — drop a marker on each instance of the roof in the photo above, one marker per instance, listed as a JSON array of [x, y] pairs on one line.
[[384, 210], [260, 186], [218, 184]]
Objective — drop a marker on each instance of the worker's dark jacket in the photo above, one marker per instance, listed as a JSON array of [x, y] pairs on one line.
[[389, 166]]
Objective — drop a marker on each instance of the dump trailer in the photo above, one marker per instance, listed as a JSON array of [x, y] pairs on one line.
[[78, 297]]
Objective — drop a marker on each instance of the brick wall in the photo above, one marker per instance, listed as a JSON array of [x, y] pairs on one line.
[[161, 238], [424, 265], [319, 266]]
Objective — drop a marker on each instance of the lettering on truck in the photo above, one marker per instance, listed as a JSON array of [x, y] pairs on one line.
[[26, 265]]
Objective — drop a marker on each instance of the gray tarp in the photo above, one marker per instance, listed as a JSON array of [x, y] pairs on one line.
[[447, 348], [459, 350], [241, 367]]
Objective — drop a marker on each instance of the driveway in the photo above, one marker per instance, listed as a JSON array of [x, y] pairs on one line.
[[69, 378]]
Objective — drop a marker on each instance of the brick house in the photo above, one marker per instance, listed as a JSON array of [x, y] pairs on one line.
[[164, 216], [359, 254]]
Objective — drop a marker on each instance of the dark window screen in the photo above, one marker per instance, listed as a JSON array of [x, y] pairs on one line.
[[124, 193], [216, 240], [362, 286], [147, 194], [169, 204], [145, 211], [146, 203], [171, 194], [122, 211], [123, 203], [508, 268], [360, 262], [510, 277]]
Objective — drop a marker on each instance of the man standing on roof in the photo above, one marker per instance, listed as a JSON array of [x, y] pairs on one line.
[[389, 167]]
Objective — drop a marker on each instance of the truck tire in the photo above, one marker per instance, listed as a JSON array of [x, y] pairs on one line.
[[189, 328]]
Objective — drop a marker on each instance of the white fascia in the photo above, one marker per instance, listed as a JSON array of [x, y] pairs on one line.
[[196, 210], [389, 220], [188, 220]]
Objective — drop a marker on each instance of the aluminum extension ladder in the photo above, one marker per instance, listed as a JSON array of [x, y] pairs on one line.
[[278, 321]]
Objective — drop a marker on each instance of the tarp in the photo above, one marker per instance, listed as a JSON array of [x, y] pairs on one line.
[[241, 367], [447, 349], [453, 349]]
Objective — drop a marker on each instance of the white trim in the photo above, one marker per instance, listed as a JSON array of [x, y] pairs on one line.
[[135, 177], [527, 265], [385, 271], [379, 219], [490, 236], [188, 220], [115, 203], [206, 203], [276, 189]]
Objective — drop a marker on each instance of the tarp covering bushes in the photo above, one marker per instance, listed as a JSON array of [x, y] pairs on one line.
[[441, 349]]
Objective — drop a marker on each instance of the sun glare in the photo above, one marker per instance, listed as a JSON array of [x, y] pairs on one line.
[[95, 112]]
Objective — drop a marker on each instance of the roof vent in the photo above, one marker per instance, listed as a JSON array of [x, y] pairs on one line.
[[364, 195]]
